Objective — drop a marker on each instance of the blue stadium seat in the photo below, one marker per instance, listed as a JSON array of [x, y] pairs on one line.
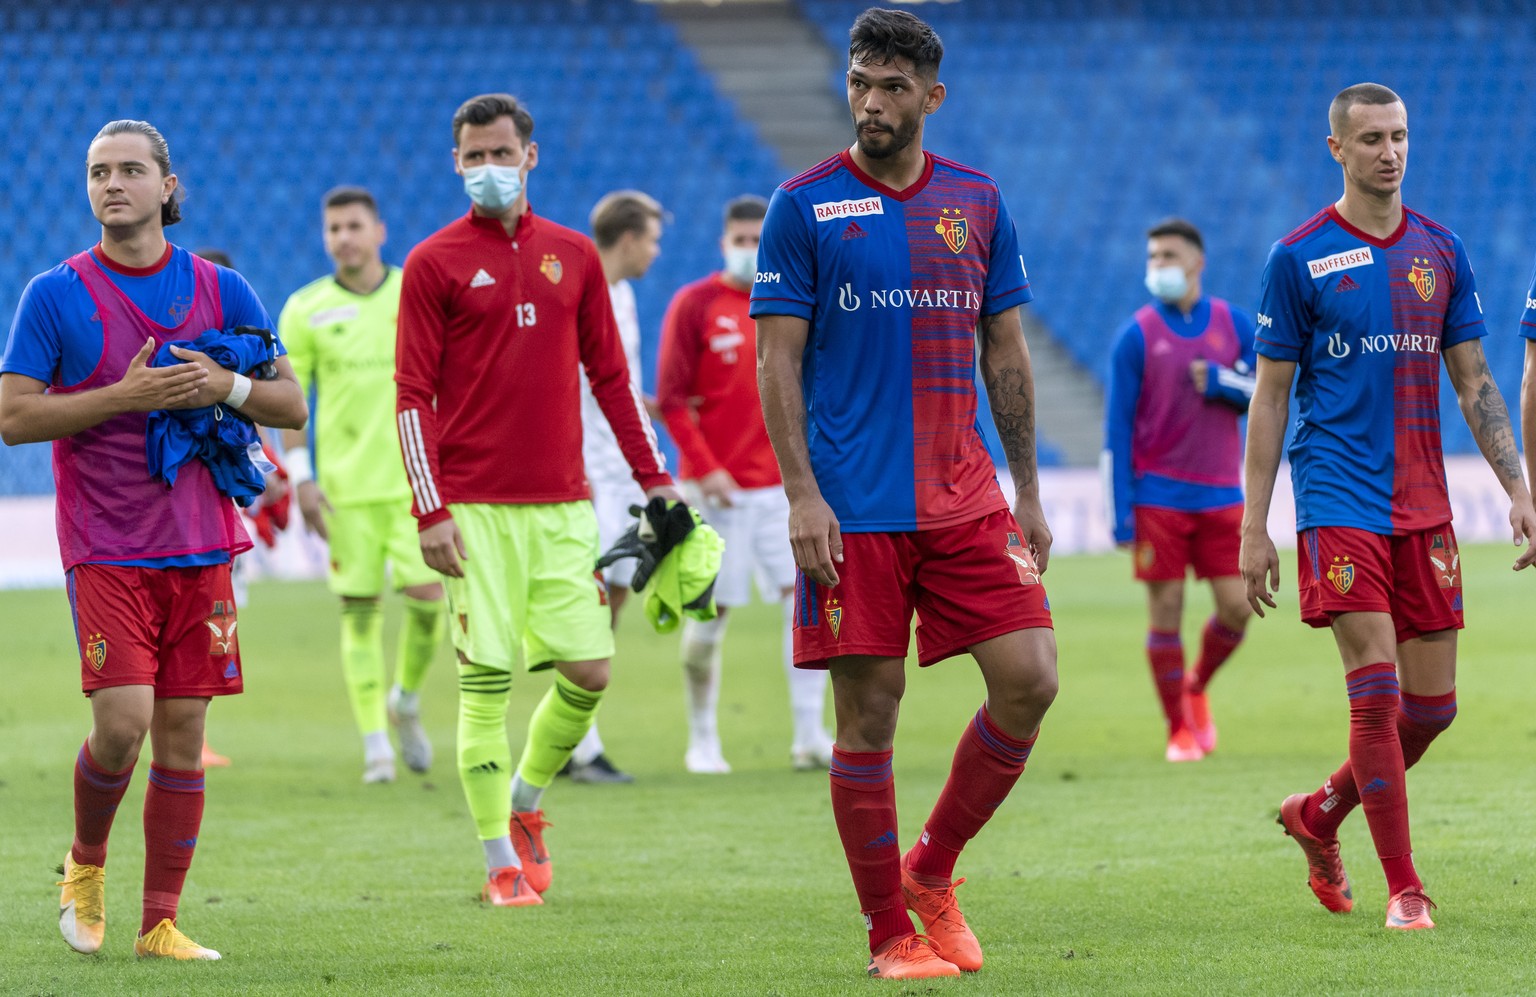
[[267, 106], [1112, 116]]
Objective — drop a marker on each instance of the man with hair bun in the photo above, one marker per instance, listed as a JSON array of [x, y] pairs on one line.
[[147, 566]]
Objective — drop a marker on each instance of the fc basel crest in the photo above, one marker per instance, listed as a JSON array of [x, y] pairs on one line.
[[1023, 559], [834, 617], [1447, 561], [222, 623], [952, 227], [551, 268], [1422, 278], [96, 651], [1342, 574]]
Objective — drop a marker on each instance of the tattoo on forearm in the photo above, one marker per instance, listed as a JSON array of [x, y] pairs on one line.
[[1013, 409], [1490, 424]]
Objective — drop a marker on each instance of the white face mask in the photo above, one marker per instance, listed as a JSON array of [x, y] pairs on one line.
[[1167, 284], [493, 188], [741, 263]]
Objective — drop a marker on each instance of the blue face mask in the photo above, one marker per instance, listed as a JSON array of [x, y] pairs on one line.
[[493, 188], [1168, 284]]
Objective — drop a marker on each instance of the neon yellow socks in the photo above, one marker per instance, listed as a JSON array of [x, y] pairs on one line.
[[485, 757], [362, 662], [559, 723], [420, 634]]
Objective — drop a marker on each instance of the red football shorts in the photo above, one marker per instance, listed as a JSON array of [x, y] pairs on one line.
[[967, 583], [1170, 542], [1415, 577], [172, 628]]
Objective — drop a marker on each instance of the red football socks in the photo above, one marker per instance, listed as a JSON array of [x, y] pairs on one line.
[[1216, 645], [1376, 756], [987, 763], [97, 794], [173, 813], [1165, 653], [864, 806], [1420, 719]]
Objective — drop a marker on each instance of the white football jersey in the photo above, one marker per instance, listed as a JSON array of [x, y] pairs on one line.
[[600, 451]]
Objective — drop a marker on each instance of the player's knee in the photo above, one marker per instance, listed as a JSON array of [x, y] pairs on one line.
[[866, 731], [1233, 614], [115, 742], [1028, 691], [1039, 687], [591, 676], [866, 722]]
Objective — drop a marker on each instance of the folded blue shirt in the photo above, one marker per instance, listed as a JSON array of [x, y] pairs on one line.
[[221, 438]]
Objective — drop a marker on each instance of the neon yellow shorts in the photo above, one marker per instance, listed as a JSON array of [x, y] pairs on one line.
[[366, 537], [529, 585]]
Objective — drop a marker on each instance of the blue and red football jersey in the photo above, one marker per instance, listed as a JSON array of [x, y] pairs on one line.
[[56, 334], [1366, 320], [893, 284]]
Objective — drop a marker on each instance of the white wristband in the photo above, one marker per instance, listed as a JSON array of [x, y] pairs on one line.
[[240, 392], [300, 468]]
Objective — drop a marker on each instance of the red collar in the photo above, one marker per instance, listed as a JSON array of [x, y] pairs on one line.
[[524, 223], [871, 182], [1387, 243], [102, 258]]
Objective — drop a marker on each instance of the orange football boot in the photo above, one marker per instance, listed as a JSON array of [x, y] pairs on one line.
[[908, 957], [508, 887], [947, 931], [1409, 911], [527, 830], [1325, 872]]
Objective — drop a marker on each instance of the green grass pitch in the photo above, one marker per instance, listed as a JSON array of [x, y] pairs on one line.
[[1109, 871]]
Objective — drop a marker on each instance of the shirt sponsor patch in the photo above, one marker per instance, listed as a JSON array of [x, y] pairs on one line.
[[1347, 260], [343, 313], [827, 211]]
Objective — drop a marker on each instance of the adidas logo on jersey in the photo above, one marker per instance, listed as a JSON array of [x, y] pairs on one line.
[[853, 231], [482, 279], [1347, 284]]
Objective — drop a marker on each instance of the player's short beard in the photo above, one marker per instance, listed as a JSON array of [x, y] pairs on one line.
[[901, 137]]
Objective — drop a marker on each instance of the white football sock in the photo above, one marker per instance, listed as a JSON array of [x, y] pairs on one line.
[[702, 642]]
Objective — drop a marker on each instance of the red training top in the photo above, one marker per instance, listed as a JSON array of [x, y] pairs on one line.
[[491, 331], [707, 384]]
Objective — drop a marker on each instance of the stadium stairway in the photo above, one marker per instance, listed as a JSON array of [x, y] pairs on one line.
[[773, 64]]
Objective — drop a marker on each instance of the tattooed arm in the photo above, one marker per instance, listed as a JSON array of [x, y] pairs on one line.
[[1483, 408], [1010, 385]]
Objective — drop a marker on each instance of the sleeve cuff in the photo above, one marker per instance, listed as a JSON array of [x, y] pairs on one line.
[[780, 306], [432, 519], [659, 480]]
